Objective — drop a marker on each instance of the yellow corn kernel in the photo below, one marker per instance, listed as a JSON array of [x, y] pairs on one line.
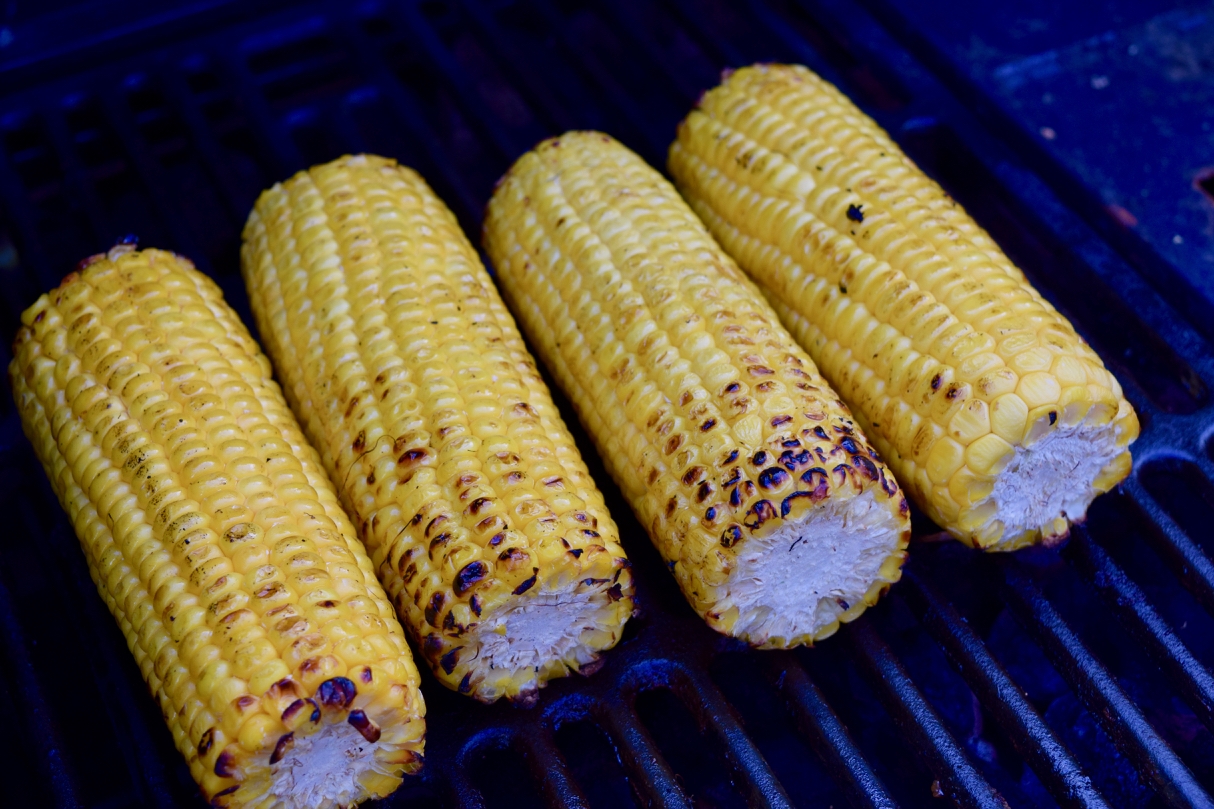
[[215, 537], [970, 423], [1009, 418], [1039, 388], [988, 455], [945, 458]]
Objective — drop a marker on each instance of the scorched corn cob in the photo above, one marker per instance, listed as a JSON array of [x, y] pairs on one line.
[[992, 411], [412, 379], [215, 538], [776, 518]]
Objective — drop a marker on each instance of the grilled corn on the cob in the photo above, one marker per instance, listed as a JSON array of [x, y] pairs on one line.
[[411, 377], [215, 538], [776, 517], [993, 412]]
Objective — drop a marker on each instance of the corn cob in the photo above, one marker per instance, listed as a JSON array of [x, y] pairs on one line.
[[409, 373], [776, 518], [215, 538], [999, 419]]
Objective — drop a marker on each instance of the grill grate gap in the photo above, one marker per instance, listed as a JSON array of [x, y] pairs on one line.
[[881, 90], [1185, 494], [501, 775], [836, 670], [57, 224], [194, 196], [107, 173], [1119, 530], [595, 764], [1104, 696], [695, 757], [767, 722], [442, 114], [1002, 700], [1044, 678], [949, 694]]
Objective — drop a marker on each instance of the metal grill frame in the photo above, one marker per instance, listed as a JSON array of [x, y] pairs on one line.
[[875, 55]]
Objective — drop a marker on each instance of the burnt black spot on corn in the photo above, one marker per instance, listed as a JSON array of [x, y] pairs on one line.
[[337, 692], [368, 729], [772, 478], [469, 575]]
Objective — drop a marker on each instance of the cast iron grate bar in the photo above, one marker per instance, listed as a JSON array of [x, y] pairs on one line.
[[464, 201], [1099, 691], [1030, 735], [826, 734], [763, 789], [549, 770], [958, 779], [649, 774], [465, 793], [1193, 681], [41, 731], [1186, 559], [509, 59]]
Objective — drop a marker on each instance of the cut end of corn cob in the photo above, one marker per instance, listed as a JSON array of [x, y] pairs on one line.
[[1046, 487], [800, 582], [996, 416], [215, 538], [413, 381], [775, 516]]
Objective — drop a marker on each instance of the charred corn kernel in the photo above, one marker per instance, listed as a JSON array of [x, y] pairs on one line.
[[775, 516], [906, 305], [412, 379], [215, 538]]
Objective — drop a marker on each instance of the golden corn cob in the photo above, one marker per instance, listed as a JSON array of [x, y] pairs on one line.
[[411, 377], [996, 415], [777, 519], [215, 538]]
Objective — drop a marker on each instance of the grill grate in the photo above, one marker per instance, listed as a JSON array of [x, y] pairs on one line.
[[1076, 678]]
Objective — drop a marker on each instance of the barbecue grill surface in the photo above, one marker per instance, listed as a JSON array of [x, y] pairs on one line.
[[1080, 677]]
